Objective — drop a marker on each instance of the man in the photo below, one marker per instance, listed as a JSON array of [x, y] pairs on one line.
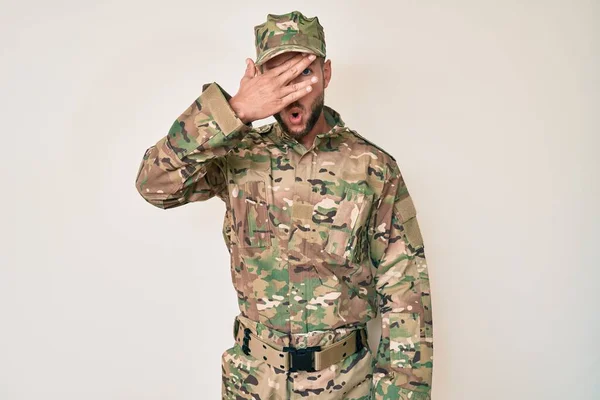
[[320, 227]]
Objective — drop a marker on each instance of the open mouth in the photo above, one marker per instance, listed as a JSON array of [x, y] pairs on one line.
[[295, 117]]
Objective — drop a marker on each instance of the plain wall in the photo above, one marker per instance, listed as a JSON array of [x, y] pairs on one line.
[[490, 108]]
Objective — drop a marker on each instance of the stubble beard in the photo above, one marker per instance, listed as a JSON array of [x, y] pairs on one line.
[[315, 113]]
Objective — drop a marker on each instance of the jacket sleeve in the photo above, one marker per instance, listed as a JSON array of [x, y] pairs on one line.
[[188, 164], [404, 358]]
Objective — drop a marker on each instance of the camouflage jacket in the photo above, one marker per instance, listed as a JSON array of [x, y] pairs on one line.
[[319, 238]]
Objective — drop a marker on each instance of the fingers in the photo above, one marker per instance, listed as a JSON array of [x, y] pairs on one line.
[[296, 69], [295, 94], [290, 62], [303, 85]]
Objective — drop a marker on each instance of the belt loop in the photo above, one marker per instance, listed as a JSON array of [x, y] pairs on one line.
[[245, 347], [236, 327], [359, 340]]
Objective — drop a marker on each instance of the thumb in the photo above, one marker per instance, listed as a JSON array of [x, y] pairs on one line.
[[250, 69]]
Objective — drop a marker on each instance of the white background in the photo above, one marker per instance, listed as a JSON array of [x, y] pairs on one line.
[[489, 107]]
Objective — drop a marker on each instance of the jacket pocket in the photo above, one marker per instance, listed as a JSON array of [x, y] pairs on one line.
[[346, 235], [405, 342], [251, 214]]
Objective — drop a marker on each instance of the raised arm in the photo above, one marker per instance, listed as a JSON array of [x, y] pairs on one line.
[[188, 164]]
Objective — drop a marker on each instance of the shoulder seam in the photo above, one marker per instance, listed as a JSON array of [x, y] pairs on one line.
[[373, 144]]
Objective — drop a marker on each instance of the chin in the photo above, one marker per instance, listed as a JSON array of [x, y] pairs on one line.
[[297, 130]]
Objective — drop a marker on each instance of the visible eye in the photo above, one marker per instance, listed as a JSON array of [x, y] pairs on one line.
[[306, 71]]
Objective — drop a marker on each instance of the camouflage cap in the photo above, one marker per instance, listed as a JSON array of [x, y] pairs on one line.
[[288, 32]]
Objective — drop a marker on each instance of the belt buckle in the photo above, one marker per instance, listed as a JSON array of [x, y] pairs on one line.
[[302, 359]]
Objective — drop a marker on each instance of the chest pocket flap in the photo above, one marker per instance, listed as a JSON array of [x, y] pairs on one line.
[[349, 224], [251, 214]]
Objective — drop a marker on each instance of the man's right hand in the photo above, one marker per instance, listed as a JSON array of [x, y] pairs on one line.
[[263, 94]]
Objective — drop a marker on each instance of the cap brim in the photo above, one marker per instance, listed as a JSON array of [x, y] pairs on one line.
[[275, 51]]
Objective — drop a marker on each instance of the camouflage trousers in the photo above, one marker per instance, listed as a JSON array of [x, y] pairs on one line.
[[245, 377]]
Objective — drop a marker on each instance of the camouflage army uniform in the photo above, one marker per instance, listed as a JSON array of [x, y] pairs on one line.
[[320, 241]]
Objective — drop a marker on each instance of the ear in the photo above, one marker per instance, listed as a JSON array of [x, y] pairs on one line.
[[326, 72]]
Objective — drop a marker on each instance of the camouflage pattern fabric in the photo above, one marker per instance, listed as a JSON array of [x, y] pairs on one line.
[[245, 377], [319, 239], [288, 32]]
